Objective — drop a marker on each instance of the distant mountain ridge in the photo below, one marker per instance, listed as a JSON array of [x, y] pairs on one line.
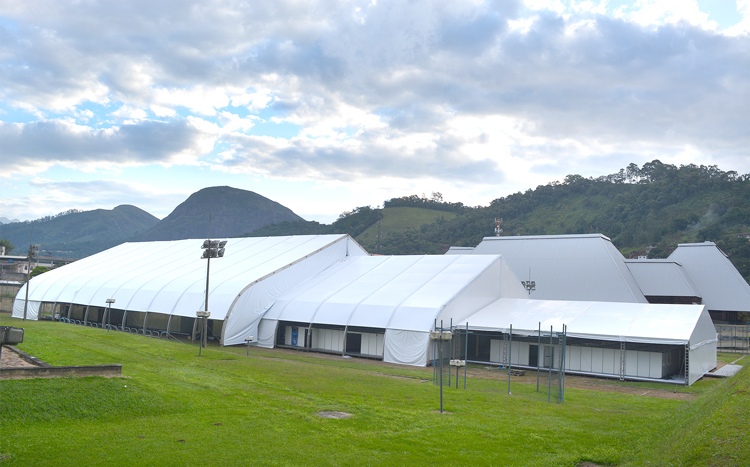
[[233, 212], [76, 234], [5, 220]]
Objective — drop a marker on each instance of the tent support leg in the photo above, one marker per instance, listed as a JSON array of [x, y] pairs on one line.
[[343, 352], [192, 336]]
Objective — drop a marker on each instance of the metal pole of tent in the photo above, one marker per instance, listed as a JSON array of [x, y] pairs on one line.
[[510, 354], [466, 352], [434, 357], [551, 358], [450, 373], [538, 349], [565, 351], [441, 365]]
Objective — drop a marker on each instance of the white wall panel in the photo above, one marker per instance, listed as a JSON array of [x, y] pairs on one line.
[[610, 361], [631, 363], [586, 359], [655, 366], [643, 364], [597, 356]]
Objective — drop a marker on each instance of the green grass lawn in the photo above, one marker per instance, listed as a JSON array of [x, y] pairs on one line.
[[174, 408], [401, 219]]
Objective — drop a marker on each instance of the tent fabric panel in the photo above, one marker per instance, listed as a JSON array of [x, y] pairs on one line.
[[267, 333], [702, 360], [254, 301], [702, 347], [485, 288], [510, 284], [719, 283], [32, 311], [661, 278], [567, 267], [406, 347], [139, 264]]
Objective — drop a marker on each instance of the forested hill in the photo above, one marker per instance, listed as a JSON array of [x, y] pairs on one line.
[[644, 210], [77, 233]]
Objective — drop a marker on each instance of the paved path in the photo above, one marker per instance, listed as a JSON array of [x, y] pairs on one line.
[[727, 370]]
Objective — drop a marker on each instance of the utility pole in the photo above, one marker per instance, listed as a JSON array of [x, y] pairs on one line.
[[33, 252]]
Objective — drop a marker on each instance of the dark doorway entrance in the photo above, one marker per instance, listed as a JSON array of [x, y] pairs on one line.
[[353, 342], [533, 355]]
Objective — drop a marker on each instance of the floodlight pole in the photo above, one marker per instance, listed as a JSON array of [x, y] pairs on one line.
[[210, 248], [108, 317], [208, 275]]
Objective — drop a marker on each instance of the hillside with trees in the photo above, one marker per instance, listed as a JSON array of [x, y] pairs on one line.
[[76, 234], [645, 210]]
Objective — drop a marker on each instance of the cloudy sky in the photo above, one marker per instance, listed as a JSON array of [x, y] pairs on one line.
[[325, 106]]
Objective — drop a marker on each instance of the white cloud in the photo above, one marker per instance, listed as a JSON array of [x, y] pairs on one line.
[[461, 93], [46, 143]]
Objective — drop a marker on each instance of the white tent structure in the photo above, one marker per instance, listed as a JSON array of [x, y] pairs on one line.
[[663, 281], [565, 267], [161, 285], [723, 289], [624, 340], [386, 306]]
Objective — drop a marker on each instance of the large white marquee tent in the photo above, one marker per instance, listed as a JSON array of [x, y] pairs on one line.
[[388, 303], [163, 282]]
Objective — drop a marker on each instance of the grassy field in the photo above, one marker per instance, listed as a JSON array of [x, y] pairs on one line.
[[401, 219], [174, 408]]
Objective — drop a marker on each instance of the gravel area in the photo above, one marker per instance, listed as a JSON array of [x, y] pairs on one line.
[[10, 359]]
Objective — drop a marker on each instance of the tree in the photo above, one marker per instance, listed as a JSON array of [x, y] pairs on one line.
[[38, 270], [8, 246]]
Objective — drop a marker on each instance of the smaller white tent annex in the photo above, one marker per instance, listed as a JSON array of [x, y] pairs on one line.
[[566, 267], [649, 335], [661, 280], [386, 306], [160, 283], [718, 282]]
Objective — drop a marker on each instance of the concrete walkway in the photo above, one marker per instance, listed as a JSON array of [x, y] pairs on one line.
[[726, 371]]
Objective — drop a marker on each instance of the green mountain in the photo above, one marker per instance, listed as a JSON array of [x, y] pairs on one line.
[[233, 212], [391, 230], [76, 234]]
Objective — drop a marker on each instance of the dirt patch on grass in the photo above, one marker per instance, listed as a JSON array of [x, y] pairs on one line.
[[10, 359], [333, 414]]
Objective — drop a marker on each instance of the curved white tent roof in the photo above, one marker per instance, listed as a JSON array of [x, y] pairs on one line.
[[567, 267], [170, 277], [688, 325], [403, 295]]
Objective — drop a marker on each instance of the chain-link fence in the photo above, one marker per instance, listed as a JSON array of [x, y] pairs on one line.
[[733, 337]]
